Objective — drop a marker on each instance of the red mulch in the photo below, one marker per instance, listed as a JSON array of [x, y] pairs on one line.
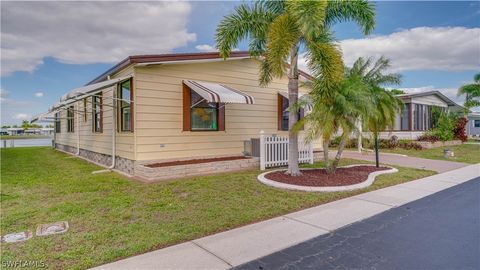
[[320, 178], [193, 161]]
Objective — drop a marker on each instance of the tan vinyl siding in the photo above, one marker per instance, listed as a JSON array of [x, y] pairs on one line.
[[98, 142], [159, 110]]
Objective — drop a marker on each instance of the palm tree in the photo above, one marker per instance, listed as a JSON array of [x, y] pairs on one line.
[[472, 92], [339, 112], [277, 29], [385, 104]]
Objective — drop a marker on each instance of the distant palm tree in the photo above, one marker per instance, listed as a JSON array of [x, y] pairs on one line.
[[471, 92], [385, 104], [278, 29]]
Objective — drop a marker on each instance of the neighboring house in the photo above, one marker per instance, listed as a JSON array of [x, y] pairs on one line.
[[15, 131], [473, 125], [170, 107], [39, 131], [416, 114]]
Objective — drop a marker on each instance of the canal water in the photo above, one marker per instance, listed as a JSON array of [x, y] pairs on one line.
[[25, 142]]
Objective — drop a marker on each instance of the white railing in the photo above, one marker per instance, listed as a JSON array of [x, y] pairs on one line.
[[274, 151]]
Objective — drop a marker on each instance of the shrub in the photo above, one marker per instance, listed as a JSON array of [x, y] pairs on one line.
[[335, 142], [391, 143], [428, 137], [444, 129], [409, 145], [459, 129]]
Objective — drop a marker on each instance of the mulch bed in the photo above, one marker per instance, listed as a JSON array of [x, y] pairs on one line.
[[193, 161], [320, 178]]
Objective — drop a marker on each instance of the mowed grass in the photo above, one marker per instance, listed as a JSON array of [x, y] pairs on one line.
[[468, 153], [112, 217]]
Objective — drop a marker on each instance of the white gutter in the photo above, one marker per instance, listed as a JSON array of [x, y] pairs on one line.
[[191, 61], [78, 133], [114, 121]]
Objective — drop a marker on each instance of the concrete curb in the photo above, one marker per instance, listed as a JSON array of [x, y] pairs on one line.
[[364, 184]]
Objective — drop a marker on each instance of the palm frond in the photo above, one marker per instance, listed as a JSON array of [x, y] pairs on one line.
[[360, 11], [476, 78], [325, 61], [282, 36], [309, 15], [246, 20]]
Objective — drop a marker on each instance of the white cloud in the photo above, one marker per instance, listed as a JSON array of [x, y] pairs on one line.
[[39, 94], [433, 48], [89, 32], [206, 48], [22, 116], [210, 48], [3, 95]]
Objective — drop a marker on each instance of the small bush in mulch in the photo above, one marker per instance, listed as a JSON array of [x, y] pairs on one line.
[[428, 137], [320, 178], [409, 145]]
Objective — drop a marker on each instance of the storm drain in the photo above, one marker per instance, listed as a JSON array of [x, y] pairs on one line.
[[17, 237], [52, 228]]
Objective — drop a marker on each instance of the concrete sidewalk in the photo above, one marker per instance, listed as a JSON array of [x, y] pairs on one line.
[[406, 161], [241, 245]]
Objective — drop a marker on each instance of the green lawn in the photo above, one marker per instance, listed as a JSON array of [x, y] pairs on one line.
[[468, 153], [112, 217], [23, 137]]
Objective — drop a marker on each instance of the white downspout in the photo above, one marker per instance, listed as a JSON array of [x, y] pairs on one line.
[[78, 130], [113, 129]]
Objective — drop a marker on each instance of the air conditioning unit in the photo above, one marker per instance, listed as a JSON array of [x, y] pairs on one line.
[[252, 147]]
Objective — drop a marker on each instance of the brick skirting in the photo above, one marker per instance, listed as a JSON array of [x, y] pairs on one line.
[[170, 172], [121, 164]]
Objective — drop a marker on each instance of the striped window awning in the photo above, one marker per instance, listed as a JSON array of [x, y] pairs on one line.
[[305, 98], [219, 93]]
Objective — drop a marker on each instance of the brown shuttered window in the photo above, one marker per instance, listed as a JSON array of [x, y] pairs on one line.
[[97, 114], [199, 115], [125, 105], [70, 119]]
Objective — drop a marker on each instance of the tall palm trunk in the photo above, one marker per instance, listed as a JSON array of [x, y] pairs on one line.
[[293, 168], [326, 143], [375, 135], [341, 146]]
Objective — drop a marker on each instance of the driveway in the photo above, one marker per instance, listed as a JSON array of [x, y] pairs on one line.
[[406, 161], [440, 231]]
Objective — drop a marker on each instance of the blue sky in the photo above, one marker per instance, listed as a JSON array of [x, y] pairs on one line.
[[434, 45]]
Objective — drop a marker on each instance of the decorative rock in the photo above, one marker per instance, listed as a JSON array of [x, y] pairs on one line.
[[53, 228], [448, 153], [17, 237]]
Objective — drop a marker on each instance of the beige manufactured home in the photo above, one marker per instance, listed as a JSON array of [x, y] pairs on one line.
[[156, 108]]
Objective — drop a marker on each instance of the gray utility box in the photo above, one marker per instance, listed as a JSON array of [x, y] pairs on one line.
[[252, 147]]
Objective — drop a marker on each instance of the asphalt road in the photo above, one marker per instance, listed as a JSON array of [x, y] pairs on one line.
[[441, 231]]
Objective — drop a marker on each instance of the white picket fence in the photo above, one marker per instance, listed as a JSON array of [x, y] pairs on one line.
[[274, 151]]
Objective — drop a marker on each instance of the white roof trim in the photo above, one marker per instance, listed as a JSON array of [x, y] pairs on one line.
[[219, 93], [190, 61], [42, 117], [92, 87]]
